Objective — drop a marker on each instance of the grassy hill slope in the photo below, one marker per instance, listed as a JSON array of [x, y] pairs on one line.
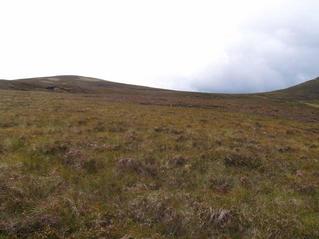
[[120, 161], [308, 90]]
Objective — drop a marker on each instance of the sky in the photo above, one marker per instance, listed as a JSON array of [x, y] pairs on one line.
[[194, 45]]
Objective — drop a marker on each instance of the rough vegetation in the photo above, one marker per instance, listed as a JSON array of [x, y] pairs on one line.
[[88, 166]]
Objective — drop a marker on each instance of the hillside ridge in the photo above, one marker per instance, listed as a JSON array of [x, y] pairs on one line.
[[308, 90]]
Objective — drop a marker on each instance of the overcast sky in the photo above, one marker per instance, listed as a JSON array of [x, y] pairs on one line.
[[212, 46]]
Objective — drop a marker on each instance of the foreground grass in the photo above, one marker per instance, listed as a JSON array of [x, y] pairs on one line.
[[80, 167]]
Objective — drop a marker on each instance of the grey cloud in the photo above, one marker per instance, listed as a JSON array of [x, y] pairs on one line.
[[275, 51]]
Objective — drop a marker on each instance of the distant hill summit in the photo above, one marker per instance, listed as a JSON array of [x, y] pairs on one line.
[[79, 84], [64, 83]]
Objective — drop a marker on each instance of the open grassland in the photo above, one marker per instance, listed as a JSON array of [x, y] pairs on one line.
[[79, 166]]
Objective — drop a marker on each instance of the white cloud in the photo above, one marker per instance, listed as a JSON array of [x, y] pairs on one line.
[[278, 49], [194, 45]]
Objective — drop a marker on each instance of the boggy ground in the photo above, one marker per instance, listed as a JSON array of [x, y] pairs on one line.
[[78, 166]]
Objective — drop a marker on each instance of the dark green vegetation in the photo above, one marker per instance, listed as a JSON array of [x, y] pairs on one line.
[[110, 161]]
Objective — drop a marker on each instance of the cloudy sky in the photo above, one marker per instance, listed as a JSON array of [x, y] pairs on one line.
[[198, 45]]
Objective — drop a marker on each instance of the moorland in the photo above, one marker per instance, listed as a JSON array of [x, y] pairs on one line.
[[86, 158]]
